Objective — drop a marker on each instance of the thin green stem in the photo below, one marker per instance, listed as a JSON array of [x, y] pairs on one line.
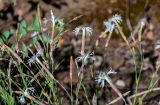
[[78, 87]]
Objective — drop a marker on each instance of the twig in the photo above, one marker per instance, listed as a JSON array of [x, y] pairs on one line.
[[108, 39], [141, 93], [134, 33], [116, 90], [117, 99], [9, 75]]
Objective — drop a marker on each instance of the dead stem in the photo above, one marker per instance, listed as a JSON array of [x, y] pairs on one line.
[[51, 45], [117, 99], [9, 75], [51, 76], [122, 34], [141, 93], [83, 43], [108, 39], [116, 90]]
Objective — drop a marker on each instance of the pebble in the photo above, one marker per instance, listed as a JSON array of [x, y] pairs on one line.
[[120, 83]]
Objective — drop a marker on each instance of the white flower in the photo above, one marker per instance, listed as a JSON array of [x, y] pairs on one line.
[[109, 26], [101, 79], [22, 100], [45, 21], [143, 22], [32, 60], [111, 72], [34, 33], [86, 30], [53, 18], [85, 58], [76, 31], [116, 18], [28, 91], [103, 76]]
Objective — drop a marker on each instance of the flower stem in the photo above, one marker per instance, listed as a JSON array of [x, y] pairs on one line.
[[108, 39], [83, 42], [116, 90]]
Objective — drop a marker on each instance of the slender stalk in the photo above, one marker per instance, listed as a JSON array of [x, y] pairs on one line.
[[9, 76], [101, 36], [141, 62], [86, 94], [71, 73], [116, 90], [71, 94], [136, 74], [51, 46], [83, 42], [78, 88], [122, 34], [108, 39], [151, 85]]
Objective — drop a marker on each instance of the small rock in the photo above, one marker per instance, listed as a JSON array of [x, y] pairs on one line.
[[120, 83], [154, 76], [98, 61], [2, 5], [117, 61], [150, 35]]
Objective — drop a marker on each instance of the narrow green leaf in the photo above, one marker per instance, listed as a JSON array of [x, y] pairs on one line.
[[45, 39], [13, 1], [35, 26], [60, 25], [13, 46], [22, 28], [6, 36], [25, 50], [34, 41]]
